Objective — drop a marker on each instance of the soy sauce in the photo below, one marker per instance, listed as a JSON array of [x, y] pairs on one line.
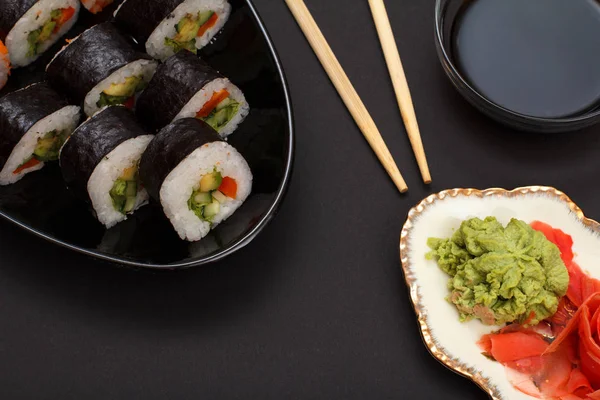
[[535, 57]]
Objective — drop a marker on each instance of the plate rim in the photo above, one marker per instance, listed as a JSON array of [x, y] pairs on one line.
[[437, 351], [242, 241]]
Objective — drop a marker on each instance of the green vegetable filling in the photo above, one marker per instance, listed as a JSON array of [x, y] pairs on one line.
[[206, 201], [38, 37], [48, 147], [121, 93], [222, 114], [187, 31], [125, 189]]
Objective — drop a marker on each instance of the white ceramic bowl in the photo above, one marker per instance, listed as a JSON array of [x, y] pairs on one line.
[[454, 343]]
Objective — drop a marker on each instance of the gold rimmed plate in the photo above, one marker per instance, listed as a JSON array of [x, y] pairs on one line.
[[454, 343]]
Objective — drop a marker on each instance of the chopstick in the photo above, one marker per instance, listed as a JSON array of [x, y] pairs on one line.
[[394, 63], [346, 90]]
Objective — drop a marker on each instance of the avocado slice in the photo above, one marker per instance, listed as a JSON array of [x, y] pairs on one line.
[[129, 204], [187, 28], [47, 31], [211, 181], [126, 88], [131, 190], [204, 16], [48, 147], [32, 42]]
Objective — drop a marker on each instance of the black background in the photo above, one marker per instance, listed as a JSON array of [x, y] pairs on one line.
[[316, 306]]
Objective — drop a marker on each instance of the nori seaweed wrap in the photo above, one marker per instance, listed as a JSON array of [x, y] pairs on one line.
[[102, 154], [198, 178], [20, 112], [181, 87], [92, 141], [176, 81], [171, 146], [95, 63]]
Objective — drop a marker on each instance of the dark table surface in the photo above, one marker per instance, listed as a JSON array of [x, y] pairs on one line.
[[316, 306]]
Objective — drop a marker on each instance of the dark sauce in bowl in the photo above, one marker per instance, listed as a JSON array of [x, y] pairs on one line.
[[534, 57]]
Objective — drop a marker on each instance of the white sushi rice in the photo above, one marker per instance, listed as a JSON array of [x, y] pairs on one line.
[[64, 119], [34, 18], [108, 171], [145, 68], [197, 102], [179, 185], [155, 45], [4, 68]]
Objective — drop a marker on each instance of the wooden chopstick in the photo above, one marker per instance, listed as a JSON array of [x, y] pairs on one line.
[[392, 57], [346, 90]]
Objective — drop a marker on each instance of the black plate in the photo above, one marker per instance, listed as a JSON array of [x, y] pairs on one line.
[[242, 51]]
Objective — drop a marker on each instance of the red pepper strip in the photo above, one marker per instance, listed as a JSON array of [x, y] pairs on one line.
[[228, 187], [67, 14], [29, 164], [130, 102], [208, 24], [214, 101]]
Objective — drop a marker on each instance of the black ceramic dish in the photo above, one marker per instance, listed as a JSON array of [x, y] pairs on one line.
[[447, 14], [242, 51]]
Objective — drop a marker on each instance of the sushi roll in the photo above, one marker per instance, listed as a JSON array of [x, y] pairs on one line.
[[186, 87], [169, 26], [29, 27], [4, 65], [34, 124], [96, 6], [198, 179], [100, 160], [101, 68]]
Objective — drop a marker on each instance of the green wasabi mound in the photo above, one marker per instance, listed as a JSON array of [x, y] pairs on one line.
[[501, 275]]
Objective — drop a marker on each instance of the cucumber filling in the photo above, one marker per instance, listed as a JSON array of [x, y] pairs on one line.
[[206, 201], [222, 114], [48, 147], [38, 37], [125, 189], [188, 28], [121, 93]]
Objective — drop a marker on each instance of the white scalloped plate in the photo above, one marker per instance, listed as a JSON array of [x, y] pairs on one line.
[[454, 343]]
